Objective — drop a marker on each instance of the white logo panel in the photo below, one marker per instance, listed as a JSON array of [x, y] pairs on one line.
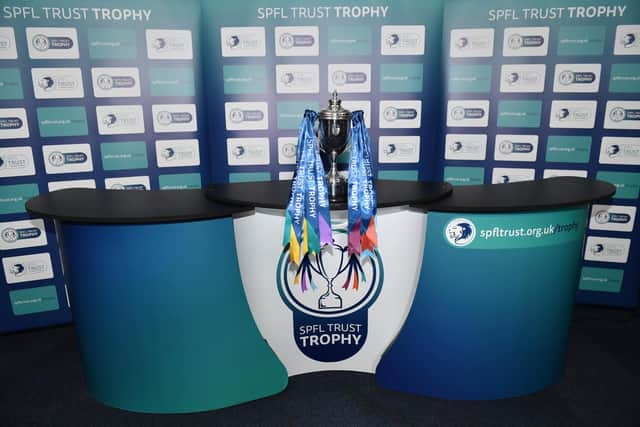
[[76, 183], [525, 41], [522, 78], [577, 78], [67, 158], [620, 151], [120, 119], [467, 113], [52, 43], [552, 173], [612, 218], [287, 150], [465, 146], [128, 183], [242, 41], [247, 151], [177, 152], [573, 114], [22, 234], [507, 175], [297, 78], [8, 48], [607, 249], [16, 161], [13, 123], [402, 40], [113, 82], [297, 41], [169, 44], [399, 149], [350, 78], [471, 43], [246, 115], [27, 268], [57, 83], [627, 40], [174, 118], [516, 148], [364, 106], [400, 114], [622, 115]]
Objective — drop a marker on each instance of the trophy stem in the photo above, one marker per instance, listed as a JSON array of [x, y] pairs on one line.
[[336, 183]]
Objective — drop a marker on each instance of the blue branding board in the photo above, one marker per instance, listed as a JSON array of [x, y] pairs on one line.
[[562, 78], [84, 87]]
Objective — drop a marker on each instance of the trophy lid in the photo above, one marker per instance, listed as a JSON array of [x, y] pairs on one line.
[[335, 110]]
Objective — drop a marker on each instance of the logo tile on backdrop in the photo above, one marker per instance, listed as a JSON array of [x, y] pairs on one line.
[[246, 115], [52, 43], [516, 148], [22, 234], [13, 123], [467, 113], [8, 48], [169, 44], [27, 268], [297, 78], [552, 173], [522, 78], [627, 40], [619, 151], [16, 161], [612, 218], [525, 41], [399, 149], [402, 40], [177, 153], [400, 114], [287, 149], [573, 114], [174, 118], [128, 183], [607, 249], [248, 151], [114, 82], [471, 43], [242, 41], [507, 175], [57, 83], [622, 115], [120, 119], [465, 146], [349, 78], [67, 158], [297, 41], [577, 78], [74, 183]]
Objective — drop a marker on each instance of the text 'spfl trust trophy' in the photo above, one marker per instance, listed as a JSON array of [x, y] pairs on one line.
[[334, 136]]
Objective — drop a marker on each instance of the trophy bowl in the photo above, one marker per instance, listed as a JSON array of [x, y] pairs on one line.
[[334, 136]]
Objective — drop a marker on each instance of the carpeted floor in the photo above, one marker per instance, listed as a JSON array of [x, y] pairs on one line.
[[41, 383]]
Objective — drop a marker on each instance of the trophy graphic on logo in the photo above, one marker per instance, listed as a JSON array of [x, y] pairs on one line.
[[334, 136]]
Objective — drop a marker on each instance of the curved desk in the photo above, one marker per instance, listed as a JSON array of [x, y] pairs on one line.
[[157, 300], [351, 331], [493, 307]]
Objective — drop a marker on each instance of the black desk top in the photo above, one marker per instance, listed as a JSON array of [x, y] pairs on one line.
[[275, 194], [128, 206], [522, 196]]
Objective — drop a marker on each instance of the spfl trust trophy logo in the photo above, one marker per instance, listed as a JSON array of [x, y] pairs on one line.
[[329, 296]]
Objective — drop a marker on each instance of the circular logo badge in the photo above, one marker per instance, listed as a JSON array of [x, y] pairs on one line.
[[286, 41], [393, 40], [105, 82], [164, 118], [168, 153], [512, 78], [1, 163], [462, 42], [628, 40], [56, 159], [40, 42], [597, 248], [339, 78], [238, 151], [566, 78], [390, 114], [602, 217], [17, 270], [289, 150], [617, 114], [515, 41], [390, 150], [613, 150], [236, 115], [117, 187], [159, 43], [9, 235], [287, 78], [457, 113], [46, 83], [505, 147], [233, 41], [460, 232], [456, 146], [563, 114]]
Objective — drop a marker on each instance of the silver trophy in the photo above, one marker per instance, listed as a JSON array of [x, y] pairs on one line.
[[334, 136]]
